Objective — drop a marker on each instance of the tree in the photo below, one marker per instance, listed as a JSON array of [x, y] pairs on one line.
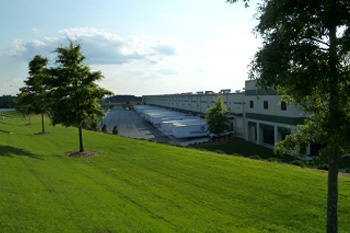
[[104, 128], [34, 96], [305, 55], [74, 90], [115, 130], [217, 117], [23, 105]]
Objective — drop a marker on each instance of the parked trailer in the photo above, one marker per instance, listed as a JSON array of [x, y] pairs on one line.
[[167, 125], [158, 119], [153, 116], [190, 129]]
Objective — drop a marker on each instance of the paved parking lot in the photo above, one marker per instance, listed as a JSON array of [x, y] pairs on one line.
[[132, 125]]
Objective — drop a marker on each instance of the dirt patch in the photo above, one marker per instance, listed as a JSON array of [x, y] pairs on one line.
[[82, 154]]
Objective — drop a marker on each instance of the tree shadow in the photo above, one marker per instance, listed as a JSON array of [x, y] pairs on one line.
[[4, 131], [10, 151]]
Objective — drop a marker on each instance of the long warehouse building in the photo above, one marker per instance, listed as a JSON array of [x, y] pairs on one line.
[[256, 115]]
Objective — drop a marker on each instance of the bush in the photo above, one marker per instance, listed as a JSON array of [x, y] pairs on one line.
[[104, 128], [299, 163], [257, 157], [274, 160], [115, 130], [219, 152], [323, 166], [347, 170], [94, 126]]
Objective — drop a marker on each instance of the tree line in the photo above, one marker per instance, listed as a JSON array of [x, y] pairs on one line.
[[68, 92], [7, 101]]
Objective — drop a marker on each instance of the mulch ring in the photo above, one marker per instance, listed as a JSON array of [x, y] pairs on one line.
[[82, 154]]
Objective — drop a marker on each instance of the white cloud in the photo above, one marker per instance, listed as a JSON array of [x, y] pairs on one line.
[[168, 71], [100, 47]]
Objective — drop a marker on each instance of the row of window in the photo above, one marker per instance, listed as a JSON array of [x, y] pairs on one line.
[[266, 105]]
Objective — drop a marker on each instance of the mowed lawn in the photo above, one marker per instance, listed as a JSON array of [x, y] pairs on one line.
[[140, 186]]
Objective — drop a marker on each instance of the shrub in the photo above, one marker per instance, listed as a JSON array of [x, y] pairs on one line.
[[115, 130], [323, 166], [274, 160], [94, 126], [219, 152], [299, 163], [257, 157], [347, 170], [104, 128]]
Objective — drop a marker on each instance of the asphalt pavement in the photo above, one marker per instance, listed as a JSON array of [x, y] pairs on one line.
[[132, 125]]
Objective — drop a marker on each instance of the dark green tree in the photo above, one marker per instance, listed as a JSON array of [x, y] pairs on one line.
[[35, 92], [115, 130], [217, 117], [305, 55], [74, 90], [23, 105], [104, 128]]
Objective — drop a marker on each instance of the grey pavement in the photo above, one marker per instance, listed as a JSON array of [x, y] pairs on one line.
[[132, 125]]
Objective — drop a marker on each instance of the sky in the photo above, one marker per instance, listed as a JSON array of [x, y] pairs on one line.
[[141, 47]]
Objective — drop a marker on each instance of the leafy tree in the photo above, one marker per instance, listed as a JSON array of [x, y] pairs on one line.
[[74, 90], [217, 117], [104, 128], [305, 55], [115, 130], [34, 96], [23, 105]]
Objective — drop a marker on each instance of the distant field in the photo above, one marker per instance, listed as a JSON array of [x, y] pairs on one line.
[[140, 186]]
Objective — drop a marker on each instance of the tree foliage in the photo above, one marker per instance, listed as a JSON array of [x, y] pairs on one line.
[[305, 55], [74, 90], [33, 97], [217, 117]]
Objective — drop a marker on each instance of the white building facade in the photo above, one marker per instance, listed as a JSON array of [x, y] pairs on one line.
[[257, 116]]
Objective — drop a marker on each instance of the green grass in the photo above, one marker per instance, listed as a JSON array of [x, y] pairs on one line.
[[140, 186], [247, 149]]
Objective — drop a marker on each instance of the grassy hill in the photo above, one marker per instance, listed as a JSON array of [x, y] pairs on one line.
[[139, 186]]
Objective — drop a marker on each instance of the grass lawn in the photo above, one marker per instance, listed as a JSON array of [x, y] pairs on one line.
[[247, 149], [139, 186]]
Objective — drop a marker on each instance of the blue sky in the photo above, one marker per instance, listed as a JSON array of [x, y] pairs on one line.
[[141, 47]]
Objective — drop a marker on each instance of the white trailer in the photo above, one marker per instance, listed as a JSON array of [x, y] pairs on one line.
[[167, 125], [190, 129]]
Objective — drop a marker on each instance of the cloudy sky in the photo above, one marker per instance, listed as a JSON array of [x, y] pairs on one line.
[[141, 47]]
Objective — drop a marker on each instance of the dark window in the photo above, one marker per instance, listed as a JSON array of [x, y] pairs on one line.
[[268, 136], [283, 106], [251, 104], [266, 104]]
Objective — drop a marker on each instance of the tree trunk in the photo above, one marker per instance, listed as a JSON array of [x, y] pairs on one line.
[[81, 143], [332, 202], [42, 123], [334, 116]]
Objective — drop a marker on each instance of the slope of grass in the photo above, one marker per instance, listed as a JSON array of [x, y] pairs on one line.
[[247, 149], [140, 186]]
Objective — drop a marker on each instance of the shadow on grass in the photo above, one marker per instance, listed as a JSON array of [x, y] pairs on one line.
[[10, 151], [4, 131]]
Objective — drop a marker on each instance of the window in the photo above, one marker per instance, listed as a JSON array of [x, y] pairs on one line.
[[251, 104], [283, 106], [266, 104], [268, 136]]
